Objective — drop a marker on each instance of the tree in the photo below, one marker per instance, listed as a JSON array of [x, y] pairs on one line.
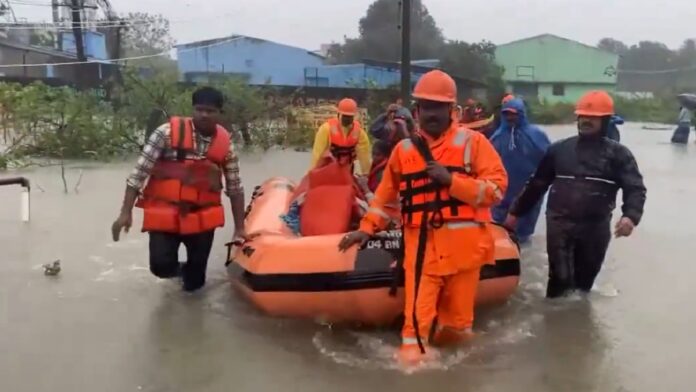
[[648, 56], [686, 56], [146, 34], [473, 61], [613, 46], [468, 60], [380, 37]]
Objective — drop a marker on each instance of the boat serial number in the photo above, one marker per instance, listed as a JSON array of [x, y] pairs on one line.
[[383, 244]]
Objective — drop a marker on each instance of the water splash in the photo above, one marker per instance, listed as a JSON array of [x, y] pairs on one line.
[[606, 290], [369, 351], [375, 350]]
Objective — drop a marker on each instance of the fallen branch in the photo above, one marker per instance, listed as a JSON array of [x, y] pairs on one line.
[[62, 175], [77, 184]]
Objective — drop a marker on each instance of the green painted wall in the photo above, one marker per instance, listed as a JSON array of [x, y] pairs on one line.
[[546, 60], [573, 92]]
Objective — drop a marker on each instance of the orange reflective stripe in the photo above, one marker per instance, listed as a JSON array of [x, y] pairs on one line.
[[495, 188], [481, 193], [463, 139], [411, 341], [379, 212], [462, 224]]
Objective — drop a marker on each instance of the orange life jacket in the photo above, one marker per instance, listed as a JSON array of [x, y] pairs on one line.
[[419, 194], [184, 195], [341, 144]]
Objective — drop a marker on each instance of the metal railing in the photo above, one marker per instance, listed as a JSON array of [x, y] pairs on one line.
[[26, 190]]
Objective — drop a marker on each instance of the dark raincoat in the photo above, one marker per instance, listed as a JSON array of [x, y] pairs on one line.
[[613, 129], [521, 148], [584, 174], [379, 128]]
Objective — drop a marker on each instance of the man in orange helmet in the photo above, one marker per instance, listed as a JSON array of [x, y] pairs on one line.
[[447, 178], [584, 172], [344, 138]]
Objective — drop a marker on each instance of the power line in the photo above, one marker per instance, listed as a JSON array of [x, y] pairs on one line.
[[99, 24], [121, 59], [656, 72], [26, 3]]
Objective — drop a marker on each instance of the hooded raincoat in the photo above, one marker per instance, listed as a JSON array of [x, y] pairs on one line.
[[521, 148], [613, 129]]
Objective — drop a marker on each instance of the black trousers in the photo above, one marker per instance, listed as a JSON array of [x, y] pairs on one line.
[[164, 257], [576, 253]]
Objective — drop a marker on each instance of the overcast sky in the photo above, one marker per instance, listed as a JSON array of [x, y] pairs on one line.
[[308, 23]]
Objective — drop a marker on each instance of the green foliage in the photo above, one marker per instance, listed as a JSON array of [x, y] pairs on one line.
[[474, 61], [380, 38], [148, 34], [56, 122], [245, 106], [656, 110], [551, 113], [38, 120]]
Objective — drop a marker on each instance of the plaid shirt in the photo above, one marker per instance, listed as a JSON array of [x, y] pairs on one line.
[[159, 146]]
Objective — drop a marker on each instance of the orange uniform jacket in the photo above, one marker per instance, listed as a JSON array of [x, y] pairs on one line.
[[454, 247]]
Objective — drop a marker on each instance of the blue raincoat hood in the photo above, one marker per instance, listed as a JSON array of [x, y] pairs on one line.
[[518, 105], [521, 148], [524, 140]]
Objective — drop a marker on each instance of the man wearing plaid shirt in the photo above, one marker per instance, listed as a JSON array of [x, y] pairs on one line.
[[164, 263]]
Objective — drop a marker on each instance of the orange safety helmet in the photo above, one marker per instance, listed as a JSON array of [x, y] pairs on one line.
[[595, 104], [436, 86], [507, 98], [347, 107]]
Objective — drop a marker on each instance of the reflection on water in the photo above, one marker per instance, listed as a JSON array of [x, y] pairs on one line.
[[106, 324]]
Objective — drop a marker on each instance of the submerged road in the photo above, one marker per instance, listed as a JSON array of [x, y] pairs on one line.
[[105, 324]]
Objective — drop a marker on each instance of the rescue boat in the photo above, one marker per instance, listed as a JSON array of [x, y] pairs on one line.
[[307, 277]]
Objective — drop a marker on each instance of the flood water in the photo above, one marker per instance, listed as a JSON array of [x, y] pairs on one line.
[[105, 324]]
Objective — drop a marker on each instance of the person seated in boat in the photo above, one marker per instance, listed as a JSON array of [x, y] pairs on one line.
[[380, 155], [343, 138], [328, 200], [393, 125], [467, 114]]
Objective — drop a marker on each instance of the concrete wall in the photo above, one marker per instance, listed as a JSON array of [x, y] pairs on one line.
[[261, 61]]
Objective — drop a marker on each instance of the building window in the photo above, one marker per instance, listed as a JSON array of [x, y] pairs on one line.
[[525, 72], [317, 81], [249, 63], [558, 90]]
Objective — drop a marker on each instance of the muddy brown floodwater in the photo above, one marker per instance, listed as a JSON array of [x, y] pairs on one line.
[[105, 324]]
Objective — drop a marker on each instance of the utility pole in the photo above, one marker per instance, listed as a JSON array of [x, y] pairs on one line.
[[76, 7], [406, 52], [55, 12]]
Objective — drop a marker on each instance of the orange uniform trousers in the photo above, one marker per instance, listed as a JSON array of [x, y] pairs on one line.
[[453, 258]]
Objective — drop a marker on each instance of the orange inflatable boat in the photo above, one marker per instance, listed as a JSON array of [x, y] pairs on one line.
[[307, 277]]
